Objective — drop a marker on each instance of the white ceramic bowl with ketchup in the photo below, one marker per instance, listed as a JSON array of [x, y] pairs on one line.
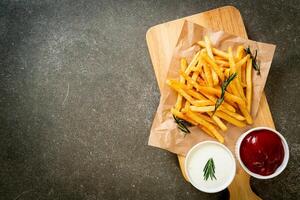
[[262, 152]]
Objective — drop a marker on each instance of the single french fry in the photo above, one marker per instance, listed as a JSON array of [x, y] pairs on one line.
[[233, 114], [223, 63], [219, 122], [192, 63], [230, 119], [208, 47], [214, 77], [246, 114], [220, 53], [207, 72], [243, 74], [249, 84], [239, 67], [178, 104], [203, 128], [202, 108], [203, 103], [183, 66], [236, 87], [206, 124], [240, 89], [215, 67], [219, 58], [187, 104], [240, 54], [182, 116]]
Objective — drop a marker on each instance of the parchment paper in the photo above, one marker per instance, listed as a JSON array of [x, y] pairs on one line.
[[164, 132]]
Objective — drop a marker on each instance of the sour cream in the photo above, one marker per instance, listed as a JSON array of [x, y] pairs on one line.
[[224, 162]]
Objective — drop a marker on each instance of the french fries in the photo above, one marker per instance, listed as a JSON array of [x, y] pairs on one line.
[[206, 124], [202, 108], [204, 82]]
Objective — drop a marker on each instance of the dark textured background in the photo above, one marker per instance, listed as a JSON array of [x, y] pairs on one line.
[[78, 95]]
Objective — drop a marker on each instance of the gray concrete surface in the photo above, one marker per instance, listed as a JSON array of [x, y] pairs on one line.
[[78, 95]]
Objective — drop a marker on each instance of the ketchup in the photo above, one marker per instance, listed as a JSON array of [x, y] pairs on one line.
[[262, 152]]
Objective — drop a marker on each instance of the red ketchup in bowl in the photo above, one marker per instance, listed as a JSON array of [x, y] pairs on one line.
[[262, 152]]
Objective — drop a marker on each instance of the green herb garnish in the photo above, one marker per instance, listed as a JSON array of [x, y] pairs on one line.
[[209, 170], [182, 124], [223, 88], [255, 65]]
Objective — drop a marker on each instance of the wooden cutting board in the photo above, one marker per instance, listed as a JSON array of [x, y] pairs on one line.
[[161, 40]]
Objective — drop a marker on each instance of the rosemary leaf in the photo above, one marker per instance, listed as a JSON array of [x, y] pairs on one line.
[[182, 124], [223, 88], [255, 64], [209, 170]]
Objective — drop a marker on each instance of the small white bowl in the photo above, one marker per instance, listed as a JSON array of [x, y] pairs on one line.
[[220, 154], [279, 169]]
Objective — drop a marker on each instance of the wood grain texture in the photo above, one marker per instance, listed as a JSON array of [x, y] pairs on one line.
[[161, 40]]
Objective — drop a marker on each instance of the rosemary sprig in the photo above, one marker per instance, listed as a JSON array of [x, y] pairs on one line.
[[182, 124], [255, 64], [223, 88], [209, 170]]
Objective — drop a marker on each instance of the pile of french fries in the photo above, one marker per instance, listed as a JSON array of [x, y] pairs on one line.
[[199, 88]]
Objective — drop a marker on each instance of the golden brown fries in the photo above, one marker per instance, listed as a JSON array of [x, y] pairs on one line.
[[230, 119], [201, 86], [202, 108], [206, 124], [219, 122]]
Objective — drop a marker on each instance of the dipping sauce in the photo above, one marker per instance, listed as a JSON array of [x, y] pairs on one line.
[[262, 152], [224, 162]]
